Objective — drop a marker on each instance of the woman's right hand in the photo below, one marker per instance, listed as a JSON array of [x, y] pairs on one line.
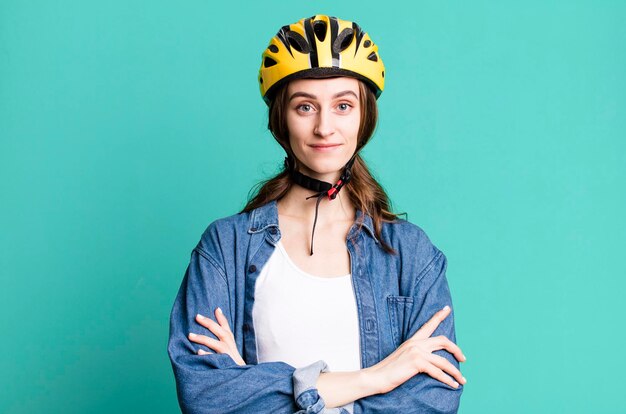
[[225, 342], [415, 356]]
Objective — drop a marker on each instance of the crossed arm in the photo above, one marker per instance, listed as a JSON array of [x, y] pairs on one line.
[[412, 357], [412, 378]]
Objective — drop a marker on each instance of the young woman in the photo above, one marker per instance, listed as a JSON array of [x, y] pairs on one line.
[[316, 298]]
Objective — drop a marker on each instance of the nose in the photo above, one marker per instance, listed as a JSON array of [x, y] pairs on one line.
[[324, 126]]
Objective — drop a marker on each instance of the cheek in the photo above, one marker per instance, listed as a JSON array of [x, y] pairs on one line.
[[298, 128], [351, 125], [295, 137]]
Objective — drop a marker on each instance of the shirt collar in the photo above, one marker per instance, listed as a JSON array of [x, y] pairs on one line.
[[267, 216]]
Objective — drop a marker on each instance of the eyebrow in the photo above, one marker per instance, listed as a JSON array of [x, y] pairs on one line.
[[308, 95]]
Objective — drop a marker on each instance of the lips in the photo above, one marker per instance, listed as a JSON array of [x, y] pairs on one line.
[[325, 147]]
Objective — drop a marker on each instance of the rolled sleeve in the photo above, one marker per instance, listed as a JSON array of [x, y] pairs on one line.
[[308, 399]]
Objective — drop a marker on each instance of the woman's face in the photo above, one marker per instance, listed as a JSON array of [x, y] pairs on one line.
[[323, 117]]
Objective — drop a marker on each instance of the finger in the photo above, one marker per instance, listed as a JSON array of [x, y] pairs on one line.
[[221, 319], [238, 359], [441, 342], [446, 366], [213, 326], [429, 327], [203, 352], [441, 376], [215, 345]]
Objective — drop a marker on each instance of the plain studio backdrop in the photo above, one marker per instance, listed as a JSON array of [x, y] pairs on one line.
[[126, 127]]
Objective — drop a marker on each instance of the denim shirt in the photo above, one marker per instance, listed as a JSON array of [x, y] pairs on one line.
[[395, 296]]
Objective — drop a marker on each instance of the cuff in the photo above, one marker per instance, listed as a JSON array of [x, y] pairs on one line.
[[307, 398]]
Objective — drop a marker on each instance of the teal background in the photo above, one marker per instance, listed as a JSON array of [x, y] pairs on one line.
[[126, 127]]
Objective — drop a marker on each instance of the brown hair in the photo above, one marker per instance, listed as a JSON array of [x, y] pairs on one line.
[[363, 190]]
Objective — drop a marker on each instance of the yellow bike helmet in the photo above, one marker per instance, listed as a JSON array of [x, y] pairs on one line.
[[318, 47]]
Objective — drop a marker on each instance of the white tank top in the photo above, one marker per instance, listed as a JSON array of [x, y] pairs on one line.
[[300, 318]]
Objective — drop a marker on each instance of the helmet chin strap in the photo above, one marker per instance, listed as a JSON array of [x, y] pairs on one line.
[[321, 188]]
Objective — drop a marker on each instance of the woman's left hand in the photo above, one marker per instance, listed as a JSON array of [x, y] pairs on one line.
[[225, 344]]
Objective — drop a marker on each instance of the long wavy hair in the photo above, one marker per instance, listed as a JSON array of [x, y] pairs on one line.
[[363, 190]]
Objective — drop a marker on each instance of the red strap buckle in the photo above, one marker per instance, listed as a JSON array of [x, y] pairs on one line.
[[332, 193]]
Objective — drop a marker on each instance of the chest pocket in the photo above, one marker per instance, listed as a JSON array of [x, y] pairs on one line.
[[400, 308]]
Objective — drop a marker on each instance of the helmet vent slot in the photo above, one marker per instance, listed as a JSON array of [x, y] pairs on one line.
[[319, 27], [268, 62], [343, 40], [298, 42], [373, 57]]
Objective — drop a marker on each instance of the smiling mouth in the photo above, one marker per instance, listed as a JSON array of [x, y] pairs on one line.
[[325, 145]]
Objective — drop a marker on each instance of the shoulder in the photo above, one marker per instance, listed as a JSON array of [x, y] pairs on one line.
[[411, 242], [235, 222], [228, 240], [224, 230], [404, 233], [234, 231]]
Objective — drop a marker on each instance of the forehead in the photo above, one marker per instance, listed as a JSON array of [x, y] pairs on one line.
[[326, 87]]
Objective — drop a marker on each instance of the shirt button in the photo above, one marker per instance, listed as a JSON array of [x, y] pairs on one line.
[[273, 230], [252, 269], [253, 229]]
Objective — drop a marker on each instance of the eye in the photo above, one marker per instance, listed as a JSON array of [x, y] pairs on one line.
[[343, 107], [304, 108]]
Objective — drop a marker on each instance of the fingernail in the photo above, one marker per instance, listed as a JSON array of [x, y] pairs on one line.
[[193, 335], [219, 310], [456, 384], [446, 307], [464, 357], [200, 316], [464, 380]]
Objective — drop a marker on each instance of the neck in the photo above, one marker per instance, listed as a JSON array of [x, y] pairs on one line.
[[295, 204]]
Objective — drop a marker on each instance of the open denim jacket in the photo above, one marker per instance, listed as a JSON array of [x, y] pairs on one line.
[[395, 296]]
